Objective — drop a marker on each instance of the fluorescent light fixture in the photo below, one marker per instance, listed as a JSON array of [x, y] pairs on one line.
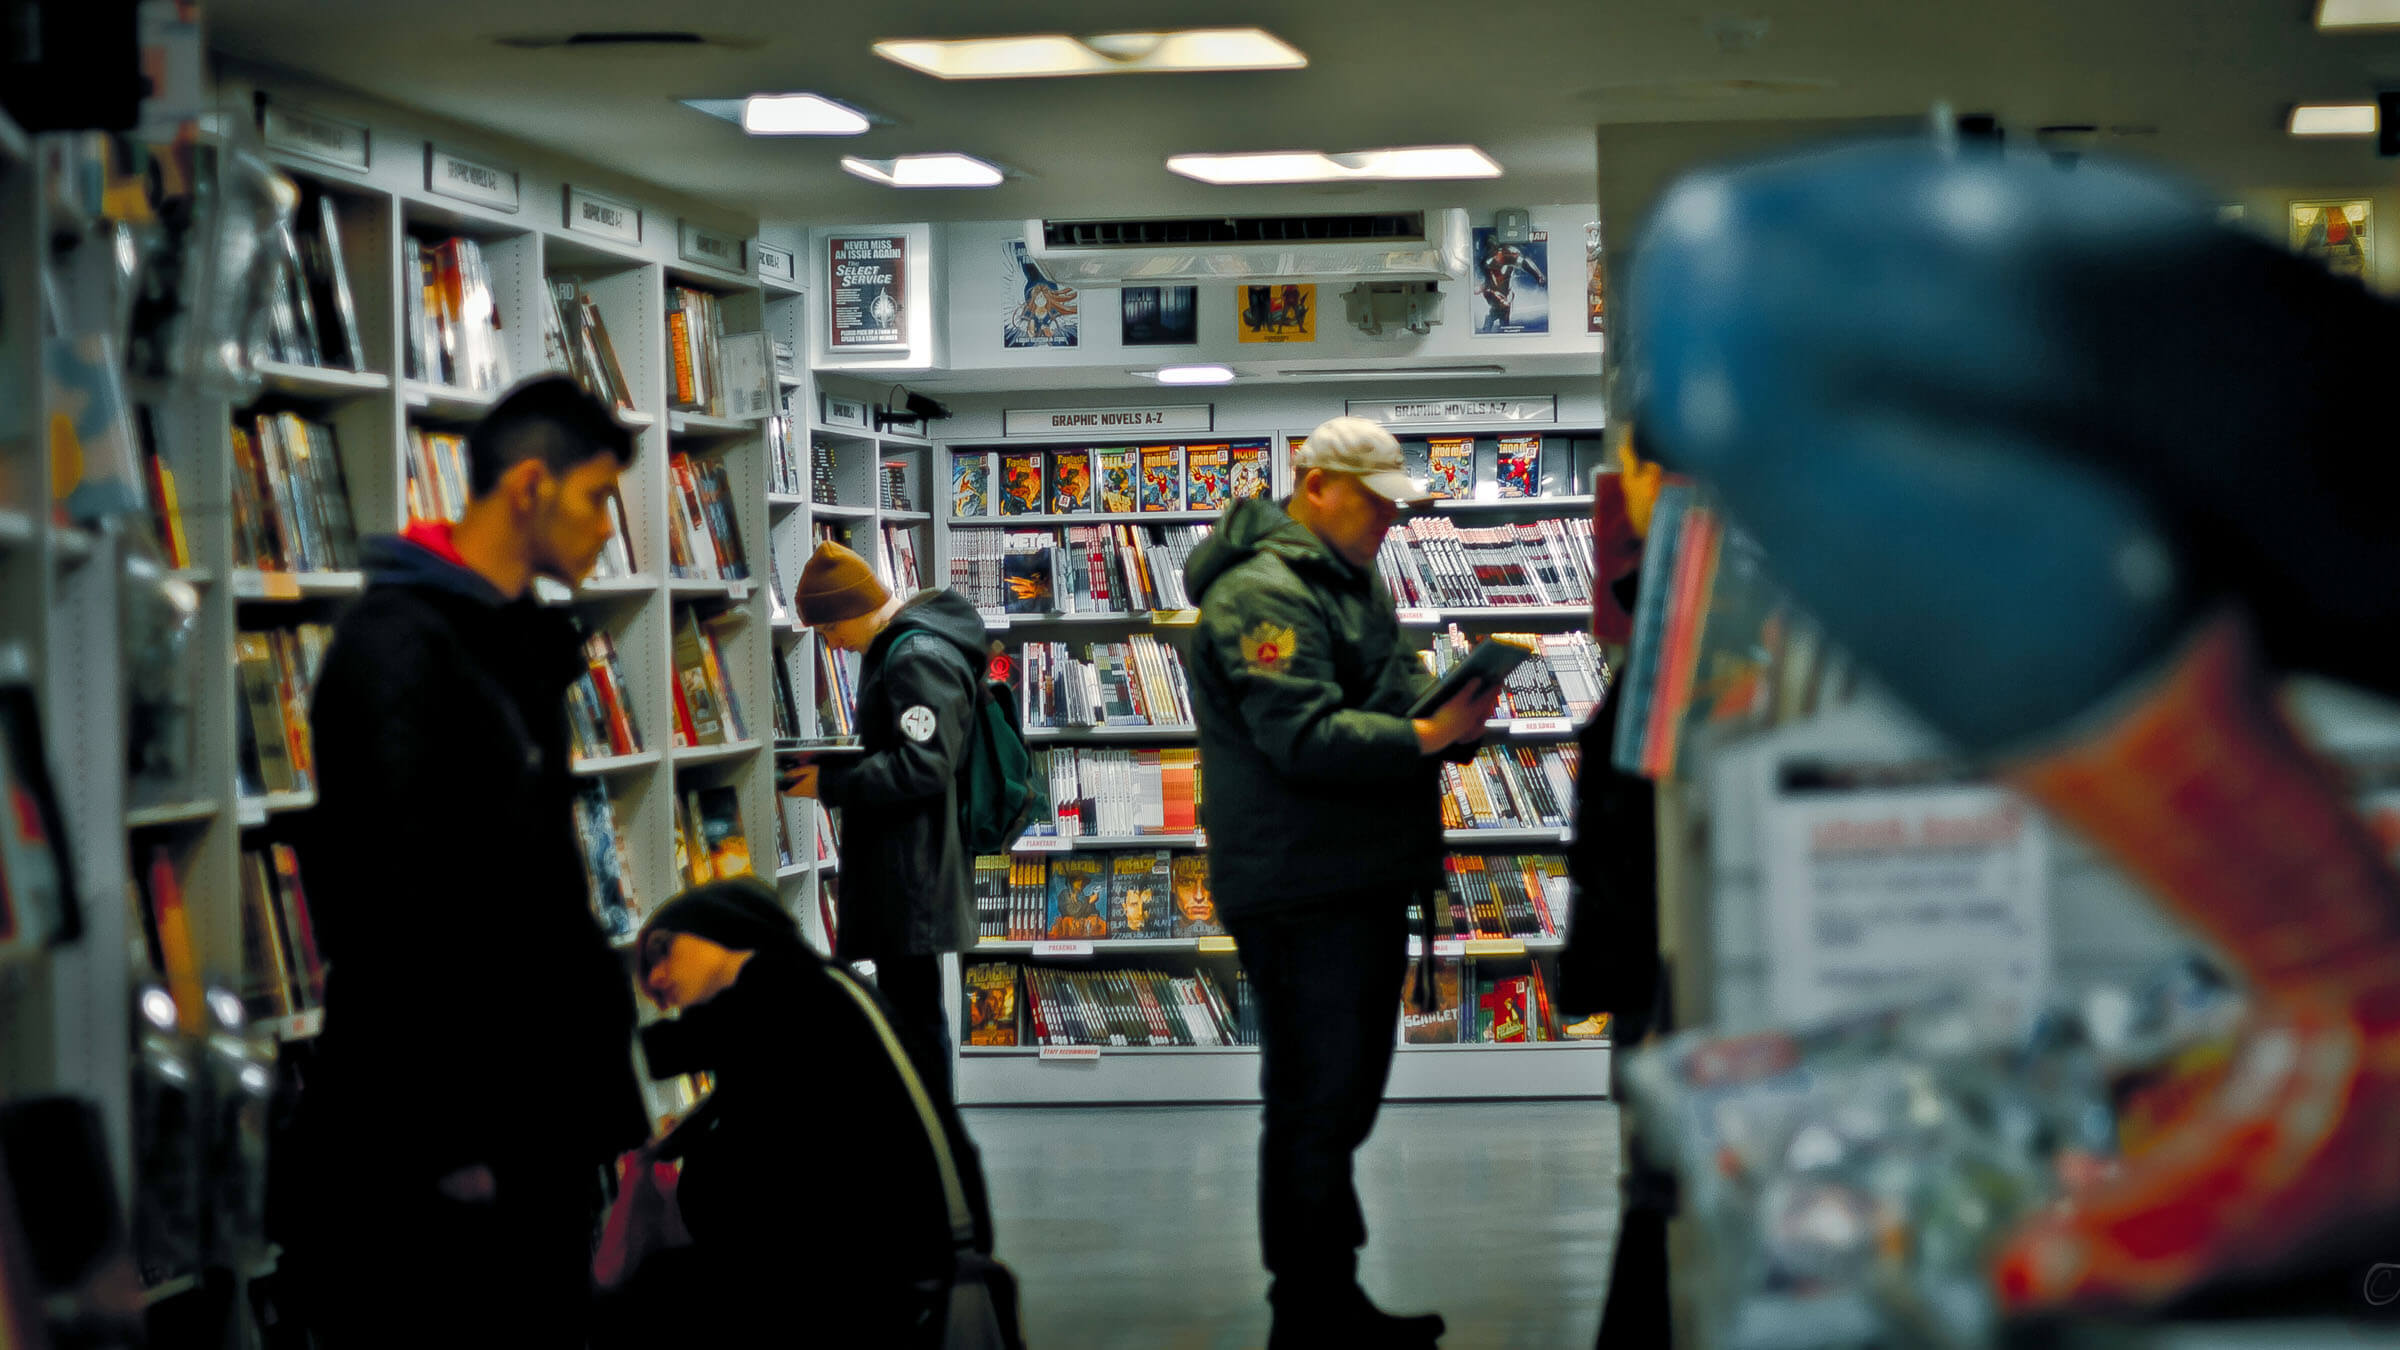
[[799, 115], [1194, 375], [925, 171], [2358, 14], [1010, 58], [1406, 163], [2333, 119]]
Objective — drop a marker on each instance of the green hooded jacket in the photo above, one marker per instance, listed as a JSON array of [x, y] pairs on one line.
[[1315, 785]]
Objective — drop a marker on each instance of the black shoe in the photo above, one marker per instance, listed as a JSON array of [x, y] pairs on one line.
[[1349, 1319]]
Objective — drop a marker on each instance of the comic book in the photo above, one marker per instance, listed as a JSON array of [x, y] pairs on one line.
[[1208, 476], [1137, 895], [1117, 470], [1251, 465], [1520, 471], [1078, 907], [1195, 904], [1439, 1026], [1452, 460], [1026, 573], [1021, 483], [1070, 481], [970, 484], [1162, 478], [990, 991]]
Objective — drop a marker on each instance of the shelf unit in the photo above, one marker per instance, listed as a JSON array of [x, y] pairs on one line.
[[1163, 1075]]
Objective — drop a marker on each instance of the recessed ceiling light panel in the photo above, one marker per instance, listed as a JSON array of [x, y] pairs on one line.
[[2339, 14], [1414, 163], [2333, 119], [1011, 58], [925, 171], [800, 115]]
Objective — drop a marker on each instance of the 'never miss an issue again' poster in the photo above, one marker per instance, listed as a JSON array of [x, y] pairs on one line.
[[869, 290]]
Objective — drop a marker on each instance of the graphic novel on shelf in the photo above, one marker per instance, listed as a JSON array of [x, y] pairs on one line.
[[1520, 466], [1021, 483], [1250, 470], [1162, 478], [1208, 476], [970, 484], [1045, 312], [1070, 481], [1078, 899], [1117, 471], [1451, 460], [1512, 281], [1195, 904]]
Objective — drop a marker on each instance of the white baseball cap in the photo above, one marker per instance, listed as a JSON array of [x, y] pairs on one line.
[[1358, 446]]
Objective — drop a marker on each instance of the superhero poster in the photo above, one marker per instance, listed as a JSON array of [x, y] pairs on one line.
[[2340, 236], [1276, 313], [1512, 285], [1044, 314]]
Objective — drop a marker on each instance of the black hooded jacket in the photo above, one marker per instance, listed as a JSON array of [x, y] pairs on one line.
[[474, 1012], [1317, 786], [908, 880]]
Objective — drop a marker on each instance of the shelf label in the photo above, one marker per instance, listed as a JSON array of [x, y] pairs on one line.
[[278, 586], [1442, 411], [1428, 618], [1540, 726], [775, 262], [1054, 421], [312, 135], [1441, 946], [466, 180], [1062, 949], [589, 212], [1175, 618], [842, 412], [1044, 843], [1216, 945], [1490, 947], [301, 1026], [710, 248], [737, 591], [1071, 1053]]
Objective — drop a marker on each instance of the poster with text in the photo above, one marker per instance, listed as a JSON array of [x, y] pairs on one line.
[[2339, 236], [1044, 314], [1161, 316], [869, 292], [1276, 313], [1595, 279], [1512, 285], [1876, 896]]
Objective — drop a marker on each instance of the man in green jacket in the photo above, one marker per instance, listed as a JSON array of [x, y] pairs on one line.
[[1324, 823]]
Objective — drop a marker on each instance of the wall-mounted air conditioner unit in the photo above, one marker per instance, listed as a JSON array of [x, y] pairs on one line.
[[1380, 246]]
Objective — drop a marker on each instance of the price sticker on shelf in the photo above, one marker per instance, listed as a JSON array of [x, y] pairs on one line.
[[1541, 726], [1424, 618], [1062, 949], [1045, 843], [1071, 1054]]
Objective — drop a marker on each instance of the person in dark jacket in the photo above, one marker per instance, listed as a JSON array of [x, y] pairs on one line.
[[1324, 824], [909, 880], [814, 1199], [443, 1173]]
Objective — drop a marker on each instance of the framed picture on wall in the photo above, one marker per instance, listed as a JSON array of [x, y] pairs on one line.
[[2338, 234]]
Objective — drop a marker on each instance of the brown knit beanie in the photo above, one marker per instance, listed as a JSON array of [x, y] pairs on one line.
[[836, 585]]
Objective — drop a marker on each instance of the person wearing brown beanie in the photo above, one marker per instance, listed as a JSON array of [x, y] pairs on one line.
[[908, 877]]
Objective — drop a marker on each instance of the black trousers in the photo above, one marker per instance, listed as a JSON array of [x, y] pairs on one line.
[[912, 987], [1327, 982]]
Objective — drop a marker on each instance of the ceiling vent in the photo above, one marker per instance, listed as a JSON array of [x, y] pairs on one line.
[[1383, 245]]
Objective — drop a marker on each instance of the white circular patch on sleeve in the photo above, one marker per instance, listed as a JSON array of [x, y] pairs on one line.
[[918, 723]]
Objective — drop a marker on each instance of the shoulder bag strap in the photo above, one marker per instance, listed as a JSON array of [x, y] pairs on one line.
[[962, 1216]]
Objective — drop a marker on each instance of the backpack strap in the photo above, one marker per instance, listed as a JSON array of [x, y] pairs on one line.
[[962, 1215]]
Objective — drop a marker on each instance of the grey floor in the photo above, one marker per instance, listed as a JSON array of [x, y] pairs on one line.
[[1135, 1226]]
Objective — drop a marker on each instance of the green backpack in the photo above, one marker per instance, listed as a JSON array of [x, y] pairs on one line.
[[998, 794]]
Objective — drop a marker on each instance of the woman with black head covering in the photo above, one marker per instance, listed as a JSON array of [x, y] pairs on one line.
[[809, 1185]]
